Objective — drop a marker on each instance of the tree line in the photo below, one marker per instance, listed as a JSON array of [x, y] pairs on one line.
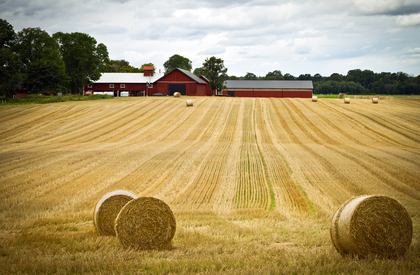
[[35, 61]]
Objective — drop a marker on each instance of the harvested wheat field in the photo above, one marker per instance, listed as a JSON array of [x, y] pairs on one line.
[[252, 182]]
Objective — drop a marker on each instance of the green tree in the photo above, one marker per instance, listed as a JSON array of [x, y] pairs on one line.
[[288, 76], [44, 76], [37, 50], [9, 71], [84, 59], [198, 71], [232, 77], [147, 65], [177, 61], [274, 75], [9, 61], [336, 77], [214, 70], [114, 66], [250, 76], [7, 34]]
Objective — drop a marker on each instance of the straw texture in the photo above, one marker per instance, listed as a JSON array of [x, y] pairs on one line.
[[375, 100], [347, 100], [314, 99], [189, 103], [372, 225], [146, 223], [177, 94], [107, 209]]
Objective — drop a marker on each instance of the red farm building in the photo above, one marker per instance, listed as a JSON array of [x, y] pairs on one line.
[[269, 88], [184, 82]]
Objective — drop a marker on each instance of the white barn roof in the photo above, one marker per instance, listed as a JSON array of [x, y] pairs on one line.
[[269, 84], [128, 78]]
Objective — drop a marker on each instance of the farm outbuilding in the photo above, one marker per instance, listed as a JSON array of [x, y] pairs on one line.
[[182, 81], [141, 84], [269, 88]]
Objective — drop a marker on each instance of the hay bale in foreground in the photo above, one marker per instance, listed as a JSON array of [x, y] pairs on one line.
[[189, 103], [375, 100], [107, 209], [177, 94], [372, 225], [314, 99], [347, 100], [146, 223]]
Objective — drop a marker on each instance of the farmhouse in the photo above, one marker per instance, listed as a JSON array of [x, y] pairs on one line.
[[269, 88]]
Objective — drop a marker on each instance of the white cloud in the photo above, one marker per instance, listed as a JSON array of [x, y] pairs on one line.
[[408, 20]]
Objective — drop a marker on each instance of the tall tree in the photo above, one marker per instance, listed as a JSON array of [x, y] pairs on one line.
[[38, 52], [177, 61], [114, 66], [214, 70], [9, 61], [198, 71], [84, 59]]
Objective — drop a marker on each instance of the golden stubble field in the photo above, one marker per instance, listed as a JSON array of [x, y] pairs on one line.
[[253, 182]]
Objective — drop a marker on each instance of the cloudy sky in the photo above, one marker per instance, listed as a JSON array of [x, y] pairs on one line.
[[296, 37]]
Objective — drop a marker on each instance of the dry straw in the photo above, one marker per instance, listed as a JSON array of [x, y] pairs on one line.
[[347, 100], [107, 209], [372, 225], [314, 99], [177, 94], [146, 223], [375, 100], [189, 103]]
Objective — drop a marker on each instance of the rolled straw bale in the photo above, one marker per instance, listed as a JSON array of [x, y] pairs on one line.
[[107, 209], [375, 100], [146, 223], [189, 103], [314, 99], [177, 94], [347, 100], [372, 225]]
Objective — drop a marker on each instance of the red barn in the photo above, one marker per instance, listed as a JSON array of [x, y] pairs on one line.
[[269, 88], [182, 81]]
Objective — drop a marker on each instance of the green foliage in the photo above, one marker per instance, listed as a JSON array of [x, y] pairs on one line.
[[177, 61], [274, 75], [335, 87], [198, 71], [147, 65], [7, 34], [9, 71], [45, 77], [84, 60], [250, 76], [214, 70]]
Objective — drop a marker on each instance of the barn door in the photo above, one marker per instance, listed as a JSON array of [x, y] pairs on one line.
[[180, 88]]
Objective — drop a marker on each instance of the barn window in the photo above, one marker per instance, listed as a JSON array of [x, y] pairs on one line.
[[150, 85], [111, 85], [122, 85], [89, 85]]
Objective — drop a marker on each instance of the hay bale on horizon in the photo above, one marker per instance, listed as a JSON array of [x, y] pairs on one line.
[[189, 103], [372, 225], [314, 98], [347, 100], [146, 223], [107, 209], [177, 94], [375, 100]]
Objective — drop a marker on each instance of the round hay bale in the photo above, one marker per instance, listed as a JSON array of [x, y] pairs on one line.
[[314, 99], [347, 100], [372, 225], [177, 94], [375, 100], [146, 223], [189, 103], [107, 209]]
